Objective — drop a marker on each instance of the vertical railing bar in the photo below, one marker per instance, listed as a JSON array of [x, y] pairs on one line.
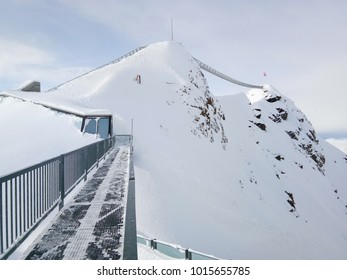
[[6, 215], [56, 183], [32, 204], [33, 197], [36, 190], [50, 182], [52, 190], [24, 200], [1, 221], [46, 185], [28, 199], [41, 192], [11, 211], [37, 194], [42, 196], [45, 188], [16, 208], [20, 205]]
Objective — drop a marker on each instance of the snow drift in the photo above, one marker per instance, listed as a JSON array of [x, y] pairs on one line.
[[238, 177]]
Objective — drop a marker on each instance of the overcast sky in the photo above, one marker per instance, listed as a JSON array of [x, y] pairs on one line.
[[301, 45]]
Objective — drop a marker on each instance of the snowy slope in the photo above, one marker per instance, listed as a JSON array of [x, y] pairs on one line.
[[242, 177]]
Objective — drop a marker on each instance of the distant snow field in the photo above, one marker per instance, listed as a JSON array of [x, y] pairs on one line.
[[339, 143]]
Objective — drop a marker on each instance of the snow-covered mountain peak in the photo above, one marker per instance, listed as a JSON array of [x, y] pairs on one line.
[[275, 112]]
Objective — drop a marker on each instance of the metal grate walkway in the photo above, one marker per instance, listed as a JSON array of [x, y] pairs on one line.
[[92, 225]]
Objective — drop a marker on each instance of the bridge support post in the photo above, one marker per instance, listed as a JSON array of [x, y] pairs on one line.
[[188, 254], [85, 164], [61, 182]]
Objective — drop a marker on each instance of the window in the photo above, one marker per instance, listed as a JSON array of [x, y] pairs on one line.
[[98, 126], [103, 127], [90, 126]]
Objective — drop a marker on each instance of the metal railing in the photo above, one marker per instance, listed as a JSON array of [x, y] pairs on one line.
[[173, 251], [201, 64], [223, 76], [102, 66], [29, 195]]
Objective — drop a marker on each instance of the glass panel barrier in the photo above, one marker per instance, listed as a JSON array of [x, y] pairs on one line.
[[170, 251]]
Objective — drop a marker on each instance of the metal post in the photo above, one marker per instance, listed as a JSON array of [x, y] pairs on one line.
[[97, 155], [1, 225], [172, 37], [6, 216], [11, 210], [85, 164], [132, 127], [188, 254], [153, 244], [61, 182]]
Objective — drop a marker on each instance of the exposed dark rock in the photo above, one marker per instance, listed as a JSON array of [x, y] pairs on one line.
[[283, 113], [317, 157], [262, 126], [291, 200], [292, 135], [273, 99], [279, 157], [275, 118], [209, 117], [312, 135]]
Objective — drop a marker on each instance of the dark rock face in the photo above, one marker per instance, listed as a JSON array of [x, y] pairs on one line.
[[262, 126], [273, 99], [291, 199], [208, 115]]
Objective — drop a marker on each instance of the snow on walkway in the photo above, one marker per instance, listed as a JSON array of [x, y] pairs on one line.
[[91, 226]]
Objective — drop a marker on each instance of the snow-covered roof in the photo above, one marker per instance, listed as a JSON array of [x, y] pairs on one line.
[[56, 104]]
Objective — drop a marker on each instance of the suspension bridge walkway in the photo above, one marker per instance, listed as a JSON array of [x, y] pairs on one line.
[[202, 65]]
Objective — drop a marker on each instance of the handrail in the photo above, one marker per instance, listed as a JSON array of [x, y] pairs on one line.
[[102, 66], [27, 196], [201, 64], [223, 76], [173, 251]]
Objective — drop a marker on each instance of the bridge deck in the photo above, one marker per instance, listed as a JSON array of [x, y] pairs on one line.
[[91, 226]]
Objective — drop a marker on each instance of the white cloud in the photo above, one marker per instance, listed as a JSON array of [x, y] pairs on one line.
[[14, 54], [20, 62]]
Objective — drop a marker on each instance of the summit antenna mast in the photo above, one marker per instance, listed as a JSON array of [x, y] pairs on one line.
[[172, 37]]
